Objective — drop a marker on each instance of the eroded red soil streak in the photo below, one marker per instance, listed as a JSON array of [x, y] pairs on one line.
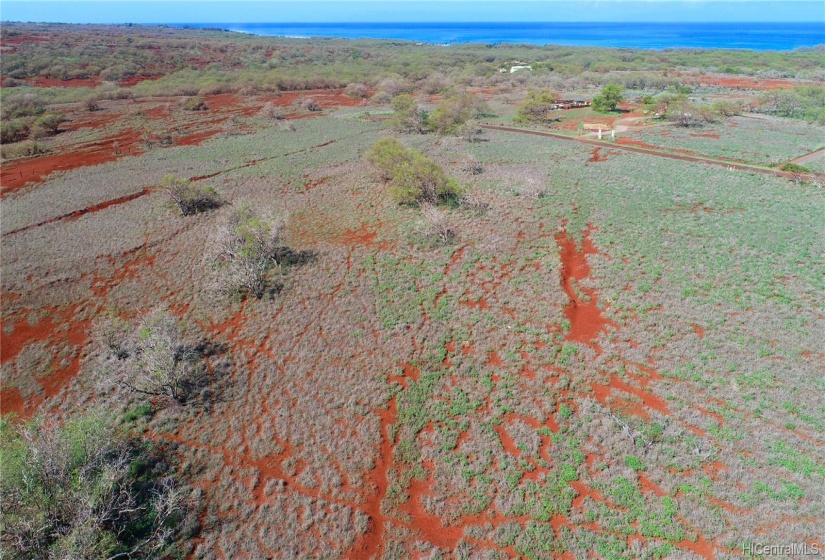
[[40, 81], [59, 327], [597, 156], [745, 83], [586, 319], [196, 137], [18, 173], [134, 80], [371, 544], [647, 399], [648, 486], [480, 304], [702, 547], [709, 134], [507, 442], [83, 211]]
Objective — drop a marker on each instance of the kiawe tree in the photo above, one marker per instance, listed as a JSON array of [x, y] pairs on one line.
[[537, 106], [609, 98]]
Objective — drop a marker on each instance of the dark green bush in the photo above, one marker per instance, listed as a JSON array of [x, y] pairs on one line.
[[413, 177], [609, 98], [190, 197], [537, 106]]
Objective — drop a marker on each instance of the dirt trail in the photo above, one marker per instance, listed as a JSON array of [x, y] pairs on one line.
[[586, 319], [74, 215], [809, 157], [648, 151]]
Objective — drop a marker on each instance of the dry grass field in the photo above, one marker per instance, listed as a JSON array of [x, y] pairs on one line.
[[613, 355]]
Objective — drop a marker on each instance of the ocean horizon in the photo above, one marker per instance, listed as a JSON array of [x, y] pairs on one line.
[[753, 36]]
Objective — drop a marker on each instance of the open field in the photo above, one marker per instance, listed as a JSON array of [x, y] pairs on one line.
[[618, 354]]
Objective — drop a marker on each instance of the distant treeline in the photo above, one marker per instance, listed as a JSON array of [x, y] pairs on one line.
[[198, 58]]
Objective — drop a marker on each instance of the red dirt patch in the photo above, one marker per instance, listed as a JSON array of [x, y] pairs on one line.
[[11, 401], [49, 330], [597, 157], [745, 83], [371, 543], [494, 360], [480, 304], [134, 80], [40, 81], [709, 134], [586, 319], [361, 237], [196, 138], [31, 170]]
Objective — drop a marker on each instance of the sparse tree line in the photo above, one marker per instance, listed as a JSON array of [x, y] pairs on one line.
[[452, 115]]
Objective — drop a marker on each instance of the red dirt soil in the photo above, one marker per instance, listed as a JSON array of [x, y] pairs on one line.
[[18, 173], [134, 80], [371, 543], [48, 330], [40, 81], [745, 83], [586, 319]]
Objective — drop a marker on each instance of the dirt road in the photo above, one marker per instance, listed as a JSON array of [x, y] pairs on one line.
[[809, 157], [614, 146]]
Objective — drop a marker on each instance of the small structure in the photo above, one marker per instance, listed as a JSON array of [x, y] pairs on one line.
[[520, 67], [569, 104]]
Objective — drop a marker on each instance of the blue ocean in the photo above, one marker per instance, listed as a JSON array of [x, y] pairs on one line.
[[755, 36]]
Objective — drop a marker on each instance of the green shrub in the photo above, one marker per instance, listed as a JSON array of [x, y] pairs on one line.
[[81, 489], [21, 105], [50, 121], [454, 111], [634, 463], [154, 359], [536, 107], [413, 177], [248, 247], [194, 104], [24, 149], [794, 168], [15, 130], [609, 98], [190, 197], [408, 116], [386, 155]]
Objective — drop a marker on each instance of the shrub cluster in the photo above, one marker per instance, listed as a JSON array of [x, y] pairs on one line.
[[413, 177], [154, 359], [83, 490], [450, 116], [806, 102], [247, 248], [190, 197], [537, 106]]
